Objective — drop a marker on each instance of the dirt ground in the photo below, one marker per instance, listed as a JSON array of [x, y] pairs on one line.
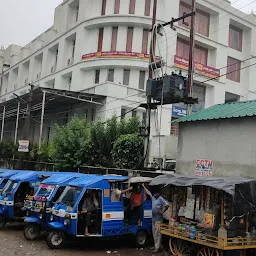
[[13, 243]]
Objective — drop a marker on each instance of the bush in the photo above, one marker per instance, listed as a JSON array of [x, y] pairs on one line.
[[128, 151]]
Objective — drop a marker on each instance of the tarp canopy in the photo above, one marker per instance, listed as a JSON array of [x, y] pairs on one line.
[[227, 184], [243, 190]]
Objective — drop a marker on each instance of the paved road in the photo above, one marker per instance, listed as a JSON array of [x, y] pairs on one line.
[[12, 243]]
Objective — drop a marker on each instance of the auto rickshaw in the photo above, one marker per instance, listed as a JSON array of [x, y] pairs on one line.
[[107, 220], [38, 207], [18, 187], [5, 174]]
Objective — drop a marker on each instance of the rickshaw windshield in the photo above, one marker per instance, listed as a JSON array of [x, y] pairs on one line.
[[69, 196], [10, 185], [45, 191]]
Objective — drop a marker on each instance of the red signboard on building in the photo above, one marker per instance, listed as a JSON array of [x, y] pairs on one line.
[[127, 55], [199, 68]]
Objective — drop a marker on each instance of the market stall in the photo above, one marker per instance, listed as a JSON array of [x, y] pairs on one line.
[[209, 215]]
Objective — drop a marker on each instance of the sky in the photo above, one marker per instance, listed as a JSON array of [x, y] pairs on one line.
[[21, 21]]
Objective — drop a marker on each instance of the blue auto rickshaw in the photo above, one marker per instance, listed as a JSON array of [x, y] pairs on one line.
[[18, 187], [38, 207], [5, 174], [108, 220]]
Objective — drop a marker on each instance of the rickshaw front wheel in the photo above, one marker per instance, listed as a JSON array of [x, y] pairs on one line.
[[31, 231], [55, 240], [2, 222], [141, 238], [208, 251]]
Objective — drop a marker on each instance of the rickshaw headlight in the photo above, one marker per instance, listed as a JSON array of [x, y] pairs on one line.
[[67, 219], [51, 217]]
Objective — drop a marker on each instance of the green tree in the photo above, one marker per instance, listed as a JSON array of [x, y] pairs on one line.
[[70, 143], [128, 151]]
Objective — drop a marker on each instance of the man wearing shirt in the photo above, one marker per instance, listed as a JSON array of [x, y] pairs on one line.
[[159, 206]]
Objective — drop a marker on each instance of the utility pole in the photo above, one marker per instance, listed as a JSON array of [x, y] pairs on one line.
[[149, 99], [26, 127], [191, 55]]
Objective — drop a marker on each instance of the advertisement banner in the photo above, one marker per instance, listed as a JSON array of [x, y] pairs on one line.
[[204, 167], [199, 68], [23, 146], [127, 55]]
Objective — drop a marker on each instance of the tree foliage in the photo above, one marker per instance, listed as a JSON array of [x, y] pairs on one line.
[[69, 144], [128, 151]]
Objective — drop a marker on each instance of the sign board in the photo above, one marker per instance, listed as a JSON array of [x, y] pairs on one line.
[[23, 146], [208, 71], [179, 111], [204, 167], [120, 54]]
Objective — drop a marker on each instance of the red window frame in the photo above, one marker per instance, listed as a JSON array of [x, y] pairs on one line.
[[145, 41], [129, 39], [103, 7], [235, 38], [202, 19], [233, 69], [100, 39], [114, 39], [132, 6], [117, 7], [147, 7]]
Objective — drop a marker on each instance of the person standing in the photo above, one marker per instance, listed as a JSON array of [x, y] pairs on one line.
[[159, 206]]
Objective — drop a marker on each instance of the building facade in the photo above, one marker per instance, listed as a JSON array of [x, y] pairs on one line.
[[101, 48]]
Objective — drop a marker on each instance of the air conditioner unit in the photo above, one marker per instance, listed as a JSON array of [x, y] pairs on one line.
[[38, 76], [53, 69], [70, 61], [26, 81]]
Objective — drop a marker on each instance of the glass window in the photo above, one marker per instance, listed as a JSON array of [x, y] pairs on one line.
[[134, 113], [111, 75], [142, 80], [145, 41], [126, 79], [117, 7], [114, 39], [235, 38], [93, 115], [100, 40], [97, 76], [123, 112], [10, 185], [45, 190], [147, 7], [129, 39], [103, 7], [132, 6], [233, 69], [69, 196]]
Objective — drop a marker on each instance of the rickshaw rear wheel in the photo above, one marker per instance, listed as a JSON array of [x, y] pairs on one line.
[[208, 251], [32, 231], [141, 238], [179, 247], [55, 240], [2, 222]]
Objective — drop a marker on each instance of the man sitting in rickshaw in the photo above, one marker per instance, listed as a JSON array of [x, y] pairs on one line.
[[90, 205]]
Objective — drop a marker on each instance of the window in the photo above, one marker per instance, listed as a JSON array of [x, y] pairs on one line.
[[86, 113], [235, 38], [126, 79], [77, 13], [111, 75], [103, 7], [100, 40], [142, 80], [233, 69], [134, 113], [73, 48], [200, 53], [175, 129], [97, 76], [132, 6], [93, 115], [129, 39], [147, 7], [56, 57], [145, 41], [202, 19], [144, 118], [69, 82], [123, 113], [117, 7], [114, 38]]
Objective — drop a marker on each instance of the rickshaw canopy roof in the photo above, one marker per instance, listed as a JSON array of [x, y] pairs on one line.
[[7, 173], [56, 179], [227, 184], [26, 175], [88, 180]]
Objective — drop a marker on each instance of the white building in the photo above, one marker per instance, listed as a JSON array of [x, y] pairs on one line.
[[100, 48]]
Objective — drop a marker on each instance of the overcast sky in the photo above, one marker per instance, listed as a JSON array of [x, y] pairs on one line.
[[21, 21]]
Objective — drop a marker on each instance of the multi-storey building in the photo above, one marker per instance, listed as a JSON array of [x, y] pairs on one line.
[[100, 49]]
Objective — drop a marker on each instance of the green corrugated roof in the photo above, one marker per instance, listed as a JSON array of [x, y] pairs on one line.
[[223, 111]]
